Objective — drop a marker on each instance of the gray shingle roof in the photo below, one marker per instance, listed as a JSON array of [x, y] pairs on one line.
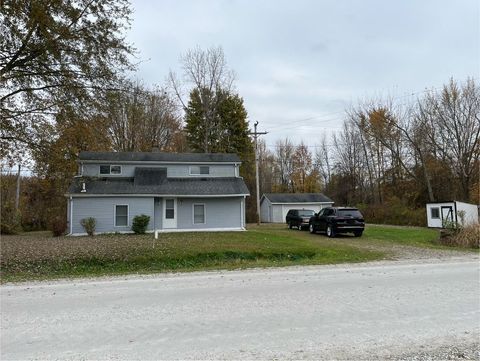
[[167, 186], [297, 197], [159, 157]]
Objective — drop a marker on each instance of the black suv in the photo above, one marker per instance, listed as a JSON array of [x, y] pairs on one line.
[[299, 218], [334, 220]]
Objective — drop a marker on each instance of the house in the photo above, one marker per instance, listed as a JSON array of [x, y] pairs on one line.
[[274, 206], [178, 191], [440, 214]]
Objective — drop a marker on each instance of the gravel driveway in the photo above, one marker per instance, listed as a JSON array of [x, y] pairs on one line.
[[415, 310]]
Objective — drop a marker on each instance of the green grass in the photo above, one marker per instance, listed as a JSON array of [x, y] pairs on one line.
[[32, 256], [27, 257], [373, 235], [410, 236]]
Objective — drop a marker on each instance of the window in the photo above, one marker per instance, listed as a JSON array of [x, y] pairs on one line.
[[121, 215], [110, 169], [115, 169], [435, 212], [169, 208], [329, 212], [199, 214], [199, 170], [349, 213], [104, 169]]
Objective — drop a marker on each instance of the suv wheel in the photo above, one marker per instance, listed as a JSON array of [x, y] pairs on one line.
[[299, 227], [330, 231], [357, 233], [289, 225], [312, 229]]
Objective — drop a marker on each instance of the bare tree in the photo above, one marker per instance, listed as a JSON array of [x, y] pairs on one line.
[[139, 119], [302, 167], [284, 150], [205, 71], [266, 167], [349, 163], [451, 120], [323, 160]]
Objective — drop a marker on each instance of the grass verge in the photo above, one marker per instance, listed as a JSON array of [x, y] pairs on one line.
[[35, 257]]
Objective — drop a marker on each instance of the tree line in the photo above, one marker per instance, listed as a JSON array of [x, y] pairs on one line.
[[67, 84], [390, 158]]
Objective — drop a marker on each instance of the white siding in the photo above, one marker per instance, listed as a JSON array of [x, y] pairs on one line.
[[265, 211], [277, 213], [471, 213], [436, 222]]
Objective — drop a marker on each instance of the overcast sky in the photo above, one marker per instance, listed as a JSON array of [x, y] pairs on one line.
[[302, 59]]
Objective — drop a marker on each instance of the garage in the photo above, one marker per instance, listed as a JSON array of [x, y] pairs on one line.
[[274, 206]]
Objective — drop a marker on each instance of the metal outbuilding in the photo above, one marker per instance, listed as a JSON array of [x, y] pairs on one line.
[[274, 206]]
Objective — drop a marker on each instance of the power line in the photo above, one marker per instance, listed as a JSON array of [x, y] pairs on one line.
[[319, 117]]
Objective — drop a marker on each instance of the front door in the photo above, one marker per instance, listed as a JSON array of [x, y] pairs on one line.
[[169, 213]]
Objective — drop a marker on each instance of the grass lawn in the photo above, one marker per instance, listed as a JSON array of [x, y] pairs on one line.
[[40, 256]]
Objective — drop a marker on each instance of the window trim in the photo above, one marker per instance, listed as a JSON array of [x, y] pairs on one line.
[[110, 169], [431, 212], [199, 170], [115, 215], [204, 213]]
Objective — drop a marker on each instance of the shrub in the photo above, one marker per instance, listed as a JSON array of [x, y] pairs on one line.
[[140, 223], [58, 226], [10, 223], [89, 225], [468, 236], [393, 211]]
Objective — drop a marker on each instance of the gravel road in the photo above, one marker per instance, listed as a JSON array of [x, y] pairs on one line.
[[412, 310]]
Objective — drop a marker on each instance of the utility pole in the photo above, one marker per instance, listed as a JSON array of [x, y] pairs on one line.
[[255, 137], [17, 195]]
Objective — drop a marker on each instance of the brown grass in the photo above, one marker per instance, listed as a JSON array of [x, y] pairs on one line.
[[39, 256], [466, 237]]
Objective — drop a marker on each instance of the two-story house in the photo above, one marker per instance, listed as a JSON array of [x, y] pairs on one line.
[[179, 191]]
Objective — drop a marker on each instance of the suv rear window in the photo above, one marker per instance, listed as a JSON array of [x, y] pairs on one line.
[[306, 213], [349, 213]]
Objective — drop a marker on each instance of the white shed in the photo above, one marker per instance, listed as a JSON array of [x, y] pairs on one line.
[[455, 212], [274, 206]]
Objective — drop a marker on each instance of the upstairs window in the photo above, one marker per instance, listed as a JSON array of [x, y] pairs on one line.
[[110, 169], [199, 170]]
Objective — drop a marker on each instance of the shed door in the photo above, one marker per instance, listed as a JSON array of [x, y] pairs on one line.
[[447, 215], [169, 213]]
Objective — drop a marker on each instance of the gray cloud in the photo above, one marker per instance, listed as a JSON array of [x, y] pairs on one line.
[[308, 58]]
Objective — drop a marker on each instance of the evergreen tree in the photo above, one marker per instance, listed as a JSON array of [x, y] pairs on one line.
[[226, 131]]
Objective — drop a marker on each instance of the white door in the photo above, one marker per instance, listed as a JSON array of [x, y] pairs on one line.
[[169, 213]]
